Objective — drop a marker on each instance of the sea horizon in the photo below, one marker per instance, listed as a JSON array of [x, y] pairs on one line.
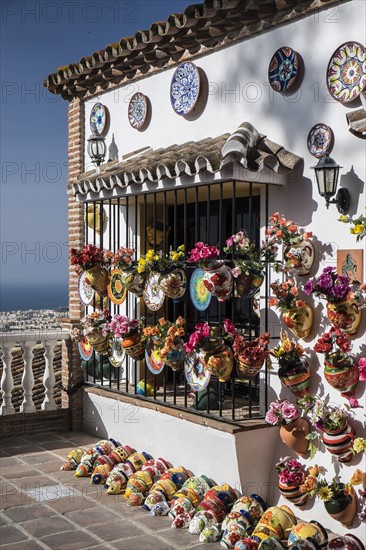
[[14, 297]]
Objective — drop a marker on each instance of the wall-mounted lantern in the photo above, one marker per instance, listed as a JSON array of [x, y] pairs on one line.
[[97, 148], [327, 173]]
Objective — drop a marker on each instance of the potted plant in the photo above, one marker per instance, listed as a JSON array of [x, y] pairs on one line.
[[296, 314], [293, 428], [359, 225], [130, 332], [298, 249], [291, 476], [218, 278], [294, 370], [340, 368], [173, 279], [93, 261], [332, 423], [166, 339], [250, 355], [95, 330], [343, 306]]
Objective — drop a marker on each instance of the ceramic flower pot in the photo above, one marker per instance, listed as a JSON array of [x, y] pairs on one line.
[[301, 256], [140, 482], [177, 475], [247, 369], [299, 320], [304, 531], [295, 376], [173, 284], [232, 535], [277, 521], [342, 508], [97, 277], [342, 375], [248, 283], [251, 509], [293, 494], [134, 281], [294, 435], [340, 442], [221, 364], [99, 342], [166, 486], [346, 542], [176, 356], [345, 315], [134, 346], [218, 280]]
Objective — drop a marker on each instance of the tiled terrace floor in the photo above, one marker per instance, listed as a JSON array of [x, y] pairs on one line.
[[42, 507]]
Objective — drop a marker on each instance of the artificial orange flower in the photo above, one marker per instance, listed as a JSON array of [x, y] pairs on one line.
[[162, 321]]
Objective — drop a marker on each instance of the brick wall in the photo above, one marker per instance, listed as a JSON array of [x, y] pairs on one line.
[[72, 373]]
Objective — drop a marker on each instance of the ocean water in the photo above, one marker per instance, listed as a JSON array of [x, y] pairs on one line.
[[18, 297]]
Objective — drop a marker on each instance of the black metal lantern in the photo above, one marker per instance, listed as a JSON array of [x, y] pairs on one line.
[[326, 173], [97, 148]]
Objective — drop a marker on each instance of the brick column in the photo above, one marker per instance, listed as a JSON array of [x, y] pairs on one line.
[[72, 373]]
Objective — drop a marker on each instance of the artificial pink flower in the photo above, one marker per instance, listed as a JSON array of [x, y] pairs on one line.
[[362, 369]]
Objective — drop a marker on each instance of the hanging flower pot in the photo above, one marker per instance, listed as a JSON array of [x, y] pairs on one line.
[[304, 531], [246, 368], [342, 507], [339, 442], [293, 494], [134, 346], [248, 282], [295, 376], [221, 363], [294, 435], [175, 356], [173, 283], [300, 256], [134, 281], [345, 315], [250, 356], [342, 375], [218, 280], [97, 277], [299, 320], [345, 542], [99, 343]]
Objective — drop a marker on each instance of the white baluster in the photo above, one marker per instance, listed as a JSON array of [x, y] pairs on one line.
[[7, 382], [49, 403], [28, 379]]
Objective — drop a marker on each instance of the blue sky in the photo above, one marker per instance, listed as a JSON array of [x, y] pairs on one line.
[[36, 38]]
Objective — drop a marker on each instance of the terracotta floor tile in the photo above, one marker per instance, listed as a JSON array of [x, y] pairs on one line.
[[19, 472], [41, 457], [33, 482], [25, 545], [14, 499], [46, 526], [84, 518], [27, 448], [64, 505], [141, 543], [70, 540], [10, 534], [57, 445], [51, 467], [43, 438], [115, 530], [13, 442], [8, 462], [26, 513], [152, 523]]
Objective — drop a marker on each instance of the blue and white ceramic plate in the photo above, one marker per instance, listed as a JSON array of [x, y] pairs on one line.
[[99, 119], [137, 111], [153, 295], [116, 354], [86, 292], [185, 88], [320, 140], [346, 73], [85, 350], [283, 69], [153, 361], [198, 377], [200, 296]]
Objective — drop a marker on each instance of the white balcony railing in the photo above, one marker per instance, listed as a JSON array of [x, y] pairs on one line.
[[27, 340]]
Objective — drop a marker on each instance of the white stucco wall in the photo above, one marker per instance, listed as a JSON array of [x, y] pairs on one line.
[[242, 68]]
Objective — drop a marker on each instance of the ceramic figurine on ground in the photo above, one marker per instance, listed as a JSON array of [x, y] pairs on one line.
[[85, 468], [100, 473], [72, 460]]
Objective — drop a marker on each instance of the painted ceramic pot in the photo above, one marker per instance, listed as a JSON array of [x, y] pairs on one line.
[[218, 280], [345, 315], [97, 277], [156, 467], [175, 356], [136, 461], [160, 509], [305, 544], [99, 342], [177, 475], [342, 508], [215, 506], [226, 494], [182, 520], [100, 474], [121, 453], [173, 284], [117, 479], [276, 521], [136, 499], [221, 364], [140, 482], [304, 530], [247, 369], [295, 376], [233, 518], [293, 494], [346, 542], [133, 281], [189, 494], [200, 521], [180, 506], [232, 535], [86, 465], [299, 320], [152, 499], [294, 435], [342, 376], [104, 447], [210, 534], [247, 544], [301, 257], [248, 283], [200, 485], [72, 460], [340, 442], [134, 346], [104, 459], [251, 509], [165, 486]]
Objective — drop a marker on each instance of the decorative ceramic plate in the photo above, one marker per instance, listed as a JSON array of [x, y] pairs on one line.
[[116, 290], [283, 69], [99, 119], [153, 295], [85, 350], [200, 296], [117, 354], [153, 361], [346, 73], [320, 140], [185, 88], [138, 110], [198, 377], [86, 292]]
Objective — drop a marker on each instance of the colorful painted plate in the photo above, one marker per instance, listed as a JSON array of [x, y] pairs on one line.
[[153, 361], [99, 118], [86, 292], [85, 350], [153, 295], [320, 140], [346, 73], [117, 354], [116, 290], [200, 296], [138, 111], [185, 88], [283, 69], [198, 377]]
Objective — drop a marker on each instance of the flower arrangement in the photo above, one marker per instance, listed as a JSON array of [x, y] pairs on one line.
[[280, 230], [335, 346], [87, 257], [316, 485], [286, 295], [282, 412], [362, 369], [96, 323], [332, 287], [163, 334], [253, 351], [122, 258], [201, 253], [359, 478], [198, 337], [122, 326], [158, 261], [291, 472], [359, 225], [287, 351], [246, 255], [359, 445]]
